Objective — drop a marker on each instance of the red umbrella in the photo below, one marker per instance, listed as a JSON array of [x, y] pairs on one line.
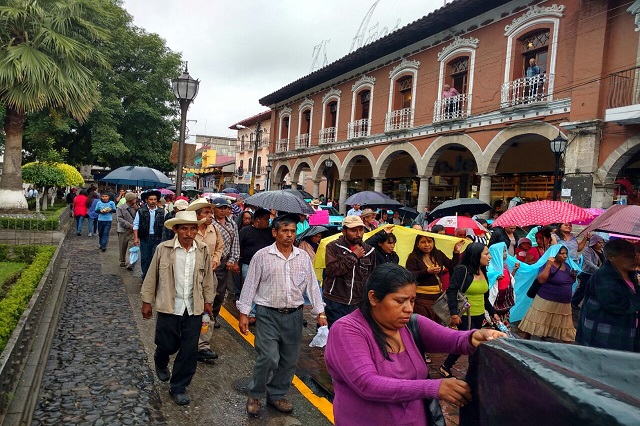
[[543, 212], [450, 224], [618, 219]]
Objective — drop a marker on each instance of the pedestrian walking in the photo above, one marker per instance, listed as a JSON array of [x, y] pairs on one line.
[[147, 228], [105, 209], [209, 235], [178, 206], [80, 210], [93, 215], [125, 214], [180, 298], [349, 262], [224, 222], [278, 277]]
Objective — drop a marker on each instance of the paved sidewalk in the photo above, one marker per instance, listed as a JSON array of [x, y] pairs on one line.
[[97, 371]]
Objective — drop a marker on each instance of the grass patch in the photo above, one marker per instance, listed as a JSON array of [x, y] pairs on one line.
[[9, 274], [18, 295]]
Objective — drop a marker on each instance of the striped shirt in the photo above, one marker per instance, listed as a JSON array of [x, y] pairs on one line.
[[229, 232], [279, 282]]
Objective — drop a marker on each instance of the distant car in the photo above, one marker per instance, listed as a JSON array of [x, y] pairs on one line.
[[335, 219]]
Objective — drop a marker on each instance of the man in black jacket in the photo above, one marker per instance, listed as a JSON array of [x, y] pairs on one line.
[[349, 262], [147, 228]]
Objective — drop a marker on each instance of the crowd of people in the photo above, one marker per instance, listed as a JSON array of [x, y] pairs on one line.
[[357, 284]]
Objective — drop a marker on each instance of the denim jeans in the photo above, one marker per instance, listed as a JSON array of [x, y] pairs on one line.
[[147, 248], [79, 220], [104, 226]]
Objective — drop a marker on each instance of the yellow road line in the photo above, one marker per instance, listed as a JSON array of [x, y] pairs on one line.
[[322, 404]]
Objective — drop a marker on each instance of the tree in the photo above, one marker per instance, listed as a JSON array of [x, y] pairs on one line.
[[50, 175], [45, 48]]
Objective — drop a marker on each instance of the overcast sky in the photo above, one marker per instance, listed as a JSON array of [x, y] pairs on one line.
[[242, 50]]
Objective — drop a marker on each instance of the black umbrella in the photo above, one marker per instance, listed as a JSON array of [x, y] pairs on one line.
[[407, 211], [300, 193], [373, 199], [312, 230], [280, 200], [138, 176], [459, 206]]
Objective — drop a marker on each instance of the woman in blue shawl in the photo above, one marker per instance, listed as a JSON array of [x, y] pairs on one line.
[[501, 279]]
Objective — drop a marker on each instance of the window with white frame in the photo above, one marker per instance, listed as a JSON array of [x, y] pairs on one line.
[[455, 87], [361, 107], [330, 109]]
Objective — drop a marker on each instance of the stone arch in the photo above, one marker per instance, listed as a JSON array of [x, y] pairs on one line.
[[347, 164], [430, 156], [498, 145], [607, 173], [297, 166], [380, 167], [318, 170], [281, 170]]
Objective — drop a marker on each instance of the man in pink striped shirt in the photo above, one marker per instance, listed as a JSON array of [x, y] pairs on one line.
[[278, 277]]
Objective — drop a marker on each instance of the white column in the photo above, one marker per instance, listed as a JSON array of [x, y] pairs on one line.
[[343, 196], [316, 188], [485, 192], [377, 184], [423, 194]]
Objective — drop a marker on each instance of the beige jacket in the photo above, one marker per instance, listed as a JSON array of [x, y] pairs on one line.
[[213, 239], [159, 284]]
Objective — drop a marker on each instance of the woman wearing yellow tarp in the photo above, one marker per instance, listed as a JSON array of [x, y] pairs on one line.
[[404, 246]]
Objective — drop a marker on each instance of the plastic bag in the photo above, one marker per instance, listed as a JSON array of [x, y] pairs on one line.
[[320, 340], [134, 253]]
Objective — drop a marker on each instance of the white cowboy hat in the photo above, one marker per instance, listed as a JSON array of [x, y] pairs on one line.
[[199, 204], [182, 218]]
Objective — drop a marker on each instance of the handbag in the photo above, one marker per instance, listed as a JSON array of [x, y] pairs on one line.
[[441, 306], [432, 408], [535, 286]]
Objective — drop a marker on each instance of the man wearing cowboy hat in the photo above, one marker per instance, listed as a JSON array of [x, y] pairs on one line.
[[125, 214], [368, 217], [209, 235], [178, 206], [180, 281], [315, 204], [147, 228]]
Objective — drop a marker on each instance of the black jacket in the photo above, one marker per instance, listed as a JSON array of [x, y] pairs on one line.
[[145, 220], [461, 279], [381, 256]]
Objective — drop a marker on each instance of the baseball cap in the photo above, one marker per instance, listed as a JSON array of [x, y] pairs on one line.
[[220, 202], [352, 222]]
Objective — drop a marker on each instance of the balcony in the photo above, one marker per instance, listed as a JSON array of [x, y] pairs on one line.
[[359, 129], [303, 141], [624, 97], [328, 135], [282, 145], [399, 119], [450, 109], [526, 91], [264, 141]]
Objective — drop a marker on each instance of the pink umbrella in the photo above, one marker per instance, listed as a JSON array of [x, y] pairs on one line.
[[543, 212], [165, 191], [618, 219], [594, 212], [450, 224]]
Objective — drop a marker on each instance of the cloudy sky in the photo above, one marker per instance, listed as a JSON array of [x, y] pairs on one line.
[[242, 50]]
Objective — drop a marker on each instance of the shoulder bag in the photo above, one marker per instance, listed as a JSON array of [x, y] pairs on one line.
[[441, 306], [432, 407], [535, 286]]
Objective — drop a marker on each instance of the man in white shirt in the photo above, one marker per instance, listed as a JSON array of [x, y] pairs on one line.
[[178, 269], [354, 210], [278, 277]]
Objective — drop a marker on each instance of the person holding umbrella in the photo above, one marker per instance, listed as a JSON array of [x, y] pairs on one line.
[[147, 228]]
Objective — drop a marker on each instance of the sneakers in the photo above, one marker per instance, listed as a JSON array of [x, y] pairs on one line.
[[283, 405], [253, 406]]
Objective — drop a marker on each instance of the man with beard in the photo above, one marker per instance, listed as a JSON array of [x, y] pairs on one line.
[[278, 277], [349, 262], [209, 235], [147, 228]]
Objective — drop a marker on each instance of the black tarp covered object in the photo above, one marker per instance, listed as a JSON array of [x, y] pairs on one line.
[[521, 382]]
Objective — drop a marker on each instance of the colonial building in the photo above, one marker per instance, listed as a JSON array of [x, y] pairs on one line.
[[253, 132], [522, 73]]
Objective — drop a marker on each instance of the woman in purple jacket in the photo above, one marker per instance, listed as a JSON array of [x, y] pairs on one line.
[[379, 376]]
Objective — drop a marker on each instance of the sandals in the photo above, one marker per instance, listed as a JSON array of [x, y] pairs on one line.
[[445, 372], [427, 359]]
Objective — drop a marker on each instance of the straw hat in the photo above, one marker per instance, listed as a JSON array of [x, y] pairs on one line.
[[198, 204], [315, 202], [367, 212], [183, 218], [181, 205]]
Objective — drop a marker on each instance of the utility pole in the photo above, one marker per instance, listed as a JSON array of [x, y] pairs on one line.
[[254, 166]]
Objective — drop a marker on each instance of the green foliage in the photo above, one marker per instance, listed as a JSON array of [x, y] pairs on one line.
[[43, 175], [32, 224], [18, 296], [9, 271], [21, 254]]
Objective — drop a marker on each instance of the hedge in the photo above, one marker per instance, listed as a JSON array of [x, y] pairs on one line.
[[33, 224], [18, 296], [21, 254]]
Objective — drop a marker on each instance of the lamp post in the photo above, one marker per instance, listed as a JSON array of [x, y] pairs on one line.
[[328, 164], [558, 145], [269, 177], [255, 155], [185, 88]]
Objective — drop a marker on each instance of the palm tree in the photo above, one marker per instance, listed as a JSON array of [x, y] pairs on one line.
[[45, 48]]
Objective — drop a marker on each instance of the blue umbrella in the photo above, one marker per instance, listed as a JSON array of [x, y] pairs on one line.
[[138, 176]]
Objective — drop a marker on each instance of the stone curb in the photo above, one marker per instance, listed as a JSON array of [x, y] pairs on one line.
[[24, 358]]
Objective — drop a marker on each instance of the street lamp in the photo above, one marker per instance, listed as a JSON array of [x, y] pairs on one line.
[[185, 88], [558, 145], [255, 155], [328, 164], [269, 168]]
